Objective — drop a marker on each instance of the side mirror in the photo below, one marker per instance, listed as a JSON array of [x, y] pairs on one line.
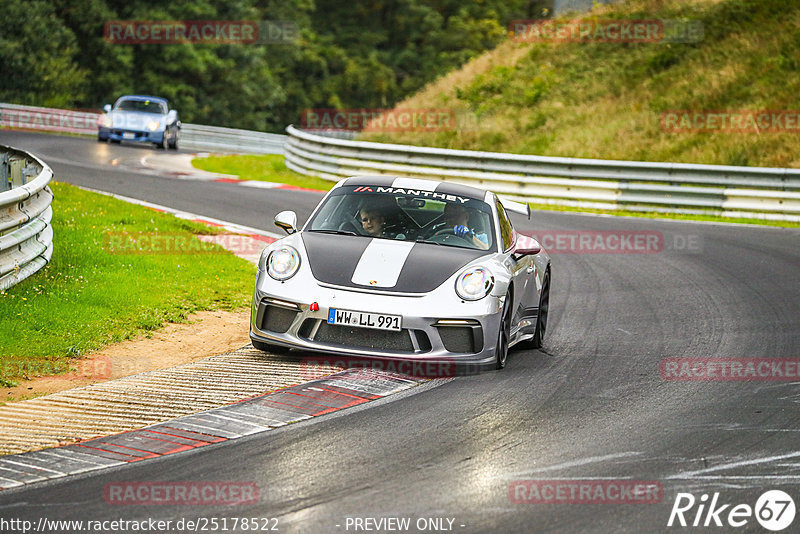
[[107, 108], [526, 246], [527, 251], [287, 221]]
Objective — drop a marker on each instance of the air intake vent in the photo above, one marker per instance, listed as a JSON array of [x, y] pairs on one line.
[[277, 319], [364, 338]]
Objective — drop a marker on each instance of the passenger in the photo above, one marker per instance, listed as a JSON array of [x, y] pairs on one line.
[[457, 217]]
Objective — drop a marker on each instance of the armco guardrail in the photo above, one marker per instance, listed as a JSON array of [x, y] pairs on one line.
[[758, 192], [199, 137], [192, 136], [26, 236]]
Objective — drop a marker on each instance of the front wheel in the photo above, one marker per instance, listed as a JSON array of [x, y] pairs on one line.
[[503, 334]]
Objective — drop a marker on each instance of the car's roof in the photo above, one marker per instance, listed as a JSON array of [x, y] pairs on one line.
[[398, 182], [143, 97]]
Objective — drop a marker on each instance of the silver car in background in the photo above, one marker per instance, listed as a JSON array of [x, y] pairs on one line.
[[140, 119], [403, 269]]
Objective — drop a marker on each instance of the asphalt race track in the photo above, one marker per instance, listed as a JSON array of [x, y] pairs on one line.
[[591, 408]]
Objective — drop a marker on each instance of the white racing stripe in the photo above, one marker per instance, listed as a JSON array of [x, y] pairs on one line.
[[382, 262]]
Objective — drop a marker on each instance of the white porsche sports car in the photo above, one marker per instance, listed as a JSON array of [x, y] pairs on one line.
[[401, 268]]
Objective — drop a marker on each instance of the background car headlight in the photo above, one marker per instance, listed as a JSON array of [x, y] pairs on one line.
[[474, 283], [152, 126], [107, 122], [283, 263]]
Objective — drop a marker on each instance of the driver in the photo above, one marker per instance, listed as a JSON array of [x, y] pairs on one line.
[[457, 217], [372, 221], [379, 218]]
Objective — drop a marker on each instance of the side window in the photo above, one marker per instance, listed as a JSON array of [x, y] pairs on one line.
[[506, 230]]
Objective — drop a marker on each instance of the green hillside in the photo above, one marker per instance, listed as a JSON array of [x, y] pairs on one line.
[[606, 100]]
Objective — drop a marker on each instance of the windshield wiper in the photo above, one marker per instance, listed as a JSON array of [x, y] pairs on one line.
[[340, 232], [423, 240]]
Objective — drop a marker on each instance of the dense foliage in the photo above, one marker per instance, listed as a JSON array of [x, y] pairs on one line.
[[368, 53]]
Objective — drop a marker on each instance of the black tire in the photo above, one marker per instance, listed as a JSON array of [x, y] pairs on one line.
[[163, 144], [266, 347], [541, 318], [115, 141], [504, 334], [173, 145], [102, 139]]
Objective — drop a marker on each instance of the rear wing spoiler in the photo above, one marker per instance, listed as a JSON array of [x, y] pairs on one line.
[[517, 207]]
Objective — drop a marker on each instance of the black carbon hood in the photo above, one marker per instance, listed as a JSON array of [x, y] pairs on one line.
[[334, 258]]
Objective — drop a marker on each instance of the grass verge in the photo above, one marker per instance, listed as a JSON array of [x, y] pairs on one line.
[[100, 289], [265, 168]]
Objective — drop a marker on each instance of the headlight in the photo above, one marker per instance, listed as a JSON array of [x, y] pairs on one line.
[[474, 283], [152, 126], [283, 263], [107, 122]]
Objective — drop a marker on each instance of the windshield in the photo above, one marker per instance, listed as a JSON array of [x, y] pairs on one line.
[[405, 215], [146, 106]]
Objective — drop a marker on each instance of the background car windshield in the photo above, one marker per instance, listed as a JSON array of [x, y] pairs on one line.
[[146, 106], [406, 216]]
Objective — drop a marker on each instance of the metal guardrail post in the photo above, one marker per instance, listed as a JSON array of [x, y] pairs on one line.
[[27, 172], [5, 173], [16, 164]]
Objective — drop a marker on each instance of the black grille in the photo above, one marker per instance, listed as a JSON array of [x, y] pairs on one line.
[[458, 339], [364, 338], [423, 341], [306, 328], [277, 319]]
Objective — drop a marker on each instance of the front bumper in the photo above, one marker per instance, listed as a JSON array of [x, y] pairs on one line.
[[136, 136], [436, 328]]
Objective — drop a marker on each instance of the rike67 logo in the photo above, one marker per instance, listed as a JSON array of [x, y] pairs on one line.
[[774, 510]]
